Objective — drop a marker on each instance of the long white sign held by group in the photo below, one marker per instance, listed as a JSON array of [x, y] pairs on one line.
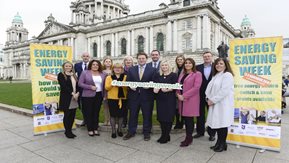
[[146, 85]]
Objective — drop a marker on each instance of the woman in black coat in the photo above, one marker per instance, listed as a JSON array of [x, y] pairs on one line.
[[68, 96], [166, 101]]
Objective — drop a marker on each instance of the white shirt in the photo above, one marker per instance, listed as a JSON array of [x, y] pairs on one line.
[[83, 65], [98, 83], [207, 70], [155, 64]]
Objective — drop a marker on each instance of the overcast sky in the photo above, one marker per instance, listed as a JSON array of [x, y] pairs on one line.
[[268, 18]]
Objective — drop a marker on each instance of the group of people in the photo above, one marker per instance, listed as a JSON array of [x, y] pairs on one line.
[[208, 86]]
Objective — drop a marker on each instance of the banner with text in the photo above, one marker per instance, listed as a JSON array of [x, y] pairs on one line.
[[46, 62], [257, 66]]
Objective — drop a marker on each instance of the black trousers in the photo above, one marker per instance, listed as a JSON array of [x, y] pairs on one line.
[[166, 128], [92, 105], [222, 135], [189, 124], [68, 119]]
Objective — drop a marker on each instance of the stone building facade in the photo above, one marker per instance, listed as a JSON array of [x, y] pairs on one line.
[[181, 27]]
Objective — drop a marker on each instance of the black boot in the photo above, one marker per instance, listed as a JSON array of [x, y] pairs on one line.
[[166, 136], [222, 147], [216, 145]]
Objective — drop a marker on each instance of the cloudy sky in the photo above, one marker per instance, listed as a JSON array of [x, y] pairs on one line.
[[268, 17]]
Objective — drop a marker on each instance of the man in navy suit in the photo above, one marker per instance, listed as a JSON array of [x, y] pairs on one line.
[[155, 63], [206, 70], [140, 98], [78, 68]]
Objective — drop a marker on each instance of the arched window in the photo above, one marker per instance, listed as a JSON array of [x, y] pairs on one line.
[[140, 44], [123, 46], [187, 41], [108, 48], [160, 42], [94, 50]]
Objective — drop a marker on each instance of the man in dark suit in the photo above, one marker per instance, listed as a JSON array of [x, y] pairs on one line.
[[140, 98], [155, 63], [78, 68], [206, 70]]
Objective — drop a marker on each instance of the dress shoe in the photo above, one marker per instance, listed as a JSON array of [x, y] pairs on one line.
[[69, 136], [221, 148], [120, 134], [113, 135], [165, 140], [215, 146], [146, 137], [162, 137], [198, 135], [212, 138], [128, 136]]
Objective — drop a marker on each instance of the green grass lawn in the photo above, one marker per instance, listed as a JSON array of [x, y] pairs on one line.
[[19, 94]]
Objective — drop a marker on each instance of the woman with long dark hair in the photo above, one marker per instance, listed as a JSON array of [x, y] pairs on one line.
[[189, 98], [220, 98]]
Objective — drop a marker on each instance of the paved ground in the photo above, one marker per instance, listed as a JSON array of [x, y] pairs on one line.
[[17, 144]]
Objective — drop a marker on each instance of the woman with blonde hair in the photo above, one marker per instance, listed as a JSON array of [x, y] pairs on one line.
[[107, 69], [165, 100], [116, 97], [68, 96]]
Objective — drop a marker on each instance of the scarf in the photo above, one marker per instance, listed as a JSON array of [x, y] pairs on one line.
[[120, 89]]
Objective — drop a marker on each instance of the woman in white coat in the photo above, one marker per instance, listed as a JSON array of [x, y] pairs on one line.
[[220, 98]]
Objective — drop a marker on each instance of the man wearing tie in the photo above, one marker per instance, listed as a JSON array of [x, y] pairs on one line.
[[79, 67], [155, 63], [206, 70], [140, 98]]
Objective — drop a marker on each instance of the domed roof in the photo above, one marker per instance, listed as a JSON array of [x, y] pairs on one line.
[[246, 21], [17, 19]]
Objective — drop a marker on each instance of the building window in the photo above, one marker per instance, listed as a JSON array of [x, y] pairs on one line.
[[94, 50], [187, 41], [186, 2], [123, 46], [160, 42], [108, 48], [140, 44]]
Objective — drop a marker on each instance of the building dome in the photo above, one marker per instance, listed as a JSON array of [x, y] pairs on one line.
[[17, 19], [246, 22]]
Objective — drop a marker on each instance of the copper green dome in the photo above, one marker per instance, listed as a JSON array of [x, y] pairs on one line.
[[17, 19], [246, 21]]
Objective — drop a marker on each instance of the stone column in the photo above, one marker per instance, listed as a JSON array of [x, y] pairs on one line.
[[175, 37], [101, 9], [24, 71], [206, 32], [147, 40], [14, 71], [199, 33], [113, 13], [108, 12], [116, 45], [72, 19], [101, 46], [217, 36], [72, 47], [112, 45], [151, 38], [88, 45], [98, 46], [128, 43], [132, 43], [169, 37]]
